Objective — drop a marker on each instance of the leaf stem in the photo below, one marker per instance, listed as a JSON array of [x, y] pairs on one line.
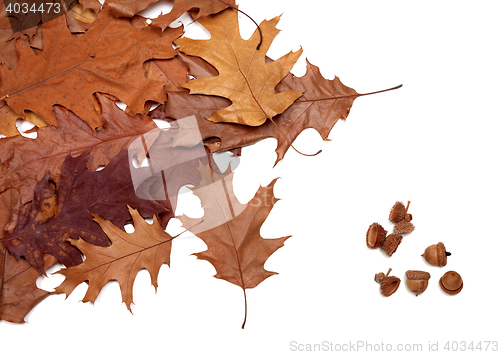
[[378, 92], [245, 319], [256, 24]]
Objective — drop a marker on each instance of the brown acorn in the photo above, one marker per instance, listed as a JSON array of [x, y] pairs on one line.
[[399, 212], [375, 236], [388, 284], [451, 282], [417, 281], [403, 227], [391, 243], [436, 254]]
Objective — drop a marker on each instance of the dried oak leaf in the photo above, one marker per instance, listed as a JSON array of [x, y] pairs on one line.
[[79, 16], [148, 247], [235, 247], [108, 58], [24, 161], [44, 225], [321, 105], [18, 290], [171, 72], [129, 8], [244, 76]]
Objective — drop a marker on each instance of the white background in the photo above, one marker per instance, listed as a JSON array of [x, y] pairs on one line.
[[434, 142]]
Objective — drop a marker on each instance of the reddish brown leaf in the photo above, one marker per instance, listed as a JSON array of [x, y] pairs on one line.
[[321, 105], [18, 290], [171, 72], [44, 225], [235, 247], [107, 58], [24, 161], [148, 247], [245, 77]]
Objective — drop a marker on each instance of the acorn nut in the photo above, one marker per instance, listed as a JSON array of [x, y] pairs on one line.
[[451, 282], [417, 281], [375, 236], [436, 254], [388, 284], [391, 243], [399, 212]]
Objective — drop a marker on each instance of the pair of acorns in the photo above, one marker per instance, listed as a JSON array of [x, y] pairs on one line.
[[376, 236], [417, 281]]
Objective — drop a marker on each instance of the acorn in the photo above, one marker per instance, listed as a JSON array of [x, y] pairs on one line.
[[399, 212], [451, 282], [403, 227], [417, 281], [391, 243], [436, 254], [375, 236], [388, 284]]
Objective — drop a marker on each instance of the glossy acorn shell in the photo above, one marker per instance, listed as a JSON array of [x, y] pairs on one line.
[[436, 254], [417, 281], [451, 282]]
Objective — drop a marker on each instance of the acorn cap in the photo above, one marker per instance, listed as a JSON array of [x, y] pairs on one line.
[[417, 275], [451, 282], [388, 284], [404, 227], [441, 254], [399, 212], [375, 236], [391, 244]]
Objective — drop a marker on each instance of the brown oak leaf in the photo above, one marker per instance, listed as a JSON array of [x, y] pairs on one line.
[[148, 247], [79, 16], [244, 76], [235, 247], [108, 58], [171, 72], [18, 290], [321, 105], [24, 161], [44, 225]]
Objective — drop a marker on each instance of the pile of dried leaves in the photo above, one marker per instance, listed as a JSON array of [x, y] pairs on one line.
[[66, 76]]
